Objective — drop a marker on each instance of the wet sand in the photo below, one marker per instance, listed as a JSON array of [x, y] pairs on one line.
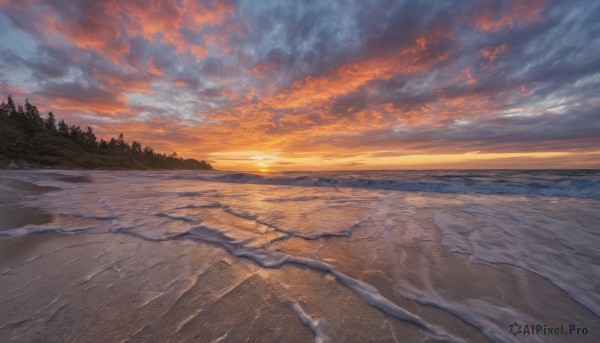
[[118, 288], [107, 288], [103, 283]]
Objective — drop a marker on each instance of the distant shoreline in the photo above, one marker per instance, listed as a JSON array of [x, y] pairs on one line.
[[28, 140], [23, 165]]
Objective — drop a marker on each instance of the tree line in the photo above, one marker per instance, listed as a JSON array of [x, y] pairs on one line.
[[43, 141]]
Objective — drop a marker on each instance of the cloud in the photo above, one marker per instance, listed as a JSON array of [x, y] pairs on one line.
[[314, 78], [537, 133], [497, 15]]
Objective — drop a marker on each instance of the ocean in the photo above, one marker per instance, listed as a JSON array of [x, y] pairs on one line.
[[344, 256]]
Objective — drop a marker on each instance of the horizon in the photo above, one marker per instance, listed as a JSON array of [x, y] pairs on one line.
[[393, 170], [276, 87]]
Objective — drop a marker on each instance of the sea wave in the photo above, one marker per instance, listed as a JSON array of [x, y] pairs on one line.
[[543, 183]]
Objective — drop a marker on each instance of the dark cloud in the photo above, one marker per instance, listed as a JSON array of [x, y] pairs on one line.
[[213, 67], [501, 75], [546, 132]]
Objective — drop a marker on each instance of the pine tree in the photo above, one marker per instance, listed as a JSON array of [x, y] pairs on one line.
[[32, 114], [4, 115], [63, 128], [75, 133], [19, 114], [89, 138], [136, 147], [103, 144], [20, 125], [3, 110], [149, 152], [122, 146], [50, 122], [11, 106]]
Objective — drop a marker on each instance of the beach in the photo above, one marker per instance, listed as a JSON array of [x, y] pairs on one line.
[[166, 256]]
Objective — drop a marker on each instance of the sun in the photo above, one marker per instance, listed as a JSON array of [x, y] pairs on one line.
[[264, 161]]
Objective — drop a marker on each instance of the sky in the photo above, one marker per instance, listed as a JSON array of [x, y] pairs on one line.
[[319, 85]]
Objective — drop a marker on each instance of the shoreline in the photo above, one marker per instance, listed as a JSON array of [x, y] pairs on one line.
[[182, 259], [58, 168]]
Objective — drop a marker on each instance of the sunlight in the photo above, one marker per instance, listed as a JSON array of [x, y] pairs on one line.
[[282, 171]]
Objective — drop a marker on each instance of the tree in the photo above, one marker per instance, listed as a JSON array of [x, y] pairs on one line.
[[50, 122], [19, 114], [3, 110], [4, 115], [103, 144], [136, 147], [32, 114], [149, 152], [11, 106], [63, 128], [122, 146], [89, 138], [20, 136], [76, 134]]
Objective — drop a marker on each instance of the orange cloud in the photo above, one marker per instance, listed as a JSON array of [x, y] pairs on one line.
[[490, 54], [297, 93], [102, 25], [466, 76], [517, 12], [124, 83], [113, 108], [351, 76], [524, 90]]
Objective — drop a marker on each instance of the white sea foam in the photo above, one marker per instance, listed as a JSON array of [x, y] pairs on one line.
[[365, 291], [552, 183], [545, 245], [316, 326], [547, 224], [31, 228]]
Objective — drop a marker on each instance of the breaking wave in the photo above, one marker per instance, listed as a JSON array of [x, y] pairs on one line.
[[574, 183]]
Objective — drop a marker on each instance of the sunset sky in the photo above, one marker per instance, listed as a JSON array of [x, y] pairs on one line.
[[304, 85]]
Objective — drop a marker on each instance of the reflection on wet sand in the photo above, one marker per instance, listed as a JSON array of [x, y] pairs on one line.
[[154, 257]]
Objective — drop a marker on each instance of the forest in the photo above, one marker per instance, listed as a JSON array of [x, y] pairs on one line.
[[27, 138]]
